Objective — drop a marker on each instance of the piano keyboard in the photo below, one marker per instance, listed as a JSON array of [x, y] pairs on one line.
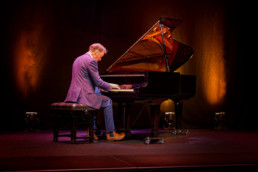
[[122, 90]]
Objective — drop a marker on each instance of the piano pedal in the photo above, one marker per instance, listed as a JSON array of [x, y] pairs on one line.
[[153, 140]]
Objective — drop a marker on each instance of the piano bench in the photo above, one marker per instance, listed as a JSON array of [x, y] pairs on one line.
[[72, 114]]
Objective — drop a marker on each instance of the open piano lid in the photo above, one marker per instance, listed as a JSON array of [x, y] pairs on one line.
[[147, 53]]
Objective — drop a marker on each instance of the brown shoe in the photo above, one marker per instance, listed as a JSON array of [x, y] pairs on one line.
[[95, 137], [115, 136]]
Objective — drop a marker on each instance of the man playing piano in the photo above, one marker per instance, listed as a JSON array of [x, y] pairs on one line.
[[85, 84]]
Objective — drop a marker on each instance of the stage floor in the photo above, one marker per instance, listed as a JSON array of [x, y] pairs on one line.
[[199, 150]]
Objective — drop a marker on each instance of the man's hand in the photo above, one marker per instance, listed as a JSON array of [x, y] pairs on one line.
[[114, 86], [126, 86]]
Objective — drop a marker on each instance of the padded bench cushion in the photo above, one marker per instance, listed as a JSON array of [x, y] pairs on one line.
[[70, 106]]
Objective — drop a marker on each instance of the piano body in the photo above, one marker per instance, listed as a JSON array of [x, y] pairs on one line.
[[148, 65]]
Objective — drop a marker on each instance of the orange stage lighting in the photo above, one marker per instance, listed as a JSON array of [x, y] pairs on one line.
[[213, 63], [28, 55]]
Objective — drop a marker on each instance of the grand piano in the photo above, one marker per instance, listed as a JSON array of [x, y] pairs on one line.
[[149, 65]]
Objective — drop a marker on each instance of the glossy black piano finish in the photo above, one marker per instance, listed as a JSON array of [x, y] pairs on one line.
[[144, 66], [167, 85]]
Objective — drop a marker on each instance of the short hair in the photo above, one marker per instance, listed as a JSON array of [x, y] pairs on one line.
[[97, 46]]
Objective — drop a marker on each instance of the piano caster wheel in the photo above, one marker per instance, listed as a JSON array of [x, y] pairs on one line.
[[180, 132], [162, 141], [149, 140]]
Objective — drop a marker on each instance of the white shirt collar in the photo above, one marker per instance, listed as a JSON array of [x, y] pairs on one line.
[[90, 54]]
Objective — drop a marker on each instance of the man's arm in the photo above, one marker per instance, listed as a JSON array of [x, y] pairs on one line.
[[93, 70]]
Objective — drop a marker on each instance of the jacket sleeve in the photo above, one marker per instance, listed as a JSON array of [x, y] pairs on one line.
[[94, 74]]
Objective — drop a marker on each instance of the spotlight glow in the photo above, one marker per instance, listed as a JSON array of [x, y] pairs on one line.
[[28, 54], [213, 64]]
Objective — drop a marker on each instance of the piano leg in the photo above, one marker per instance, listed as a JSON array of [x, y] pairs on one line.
[[123, 117], [154, 110], [178, 115]]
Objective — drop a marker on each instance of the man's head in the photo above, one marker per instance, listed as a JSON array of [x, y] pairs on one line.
[[97, 51]]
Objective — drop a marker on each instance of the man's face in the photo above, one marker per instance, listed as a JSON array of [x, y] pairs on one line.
[[98, 55]]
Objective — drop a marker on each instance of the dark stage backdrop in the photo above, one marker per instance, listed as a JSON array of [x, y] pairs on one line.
[[41, 39]]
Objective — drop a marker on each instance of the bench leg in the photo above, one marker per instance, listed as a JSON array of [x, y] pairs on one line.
[[56, 126], [91, 131], [73, 131], [55, 135]]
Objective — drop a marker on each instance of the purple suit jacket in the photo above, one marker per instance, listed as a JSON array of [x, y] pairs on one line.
[[85, 82]]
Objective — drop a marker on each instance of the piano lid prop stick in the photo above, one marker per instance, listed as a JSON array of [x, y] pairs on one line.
[[165, 53]]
